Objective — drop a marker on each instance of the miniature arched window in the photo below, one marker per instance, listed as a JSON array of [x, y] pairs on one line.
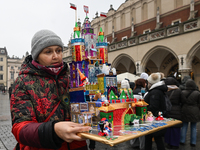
[[144, 11], [178, 3], [122, 21]]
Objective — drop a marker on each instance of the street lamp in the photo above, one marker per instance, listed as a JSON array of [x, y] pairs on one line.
[[181, 60], [137, 65]]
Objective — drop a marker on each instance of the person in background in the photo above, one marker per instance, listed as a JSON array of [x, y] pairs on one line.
[[162, 78], [145, 76], [156, 100], [124, 86], [131, 84], [183, 82], [10, 91], [172, 135], [190, 111], [4, 90], [40, 116], [138, 142], [139, 83]]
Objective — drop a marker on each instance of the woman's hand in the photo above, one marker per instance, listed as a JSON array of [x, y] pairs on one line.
[[68, 130]]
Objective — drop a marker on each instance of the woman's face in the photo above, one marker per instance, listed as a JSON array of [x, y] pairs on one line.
[[51, 55]]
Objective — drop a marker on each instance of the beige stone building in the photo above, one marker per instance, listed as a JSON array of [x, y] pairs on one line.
[[14, 65], [3, 68], [67, 54], [153, 35]]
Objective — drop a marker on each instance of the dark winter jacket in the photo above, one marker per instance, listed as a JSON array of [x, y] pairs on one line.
[[137, 91], [34, 96], [155, 98], [183, 82], [174, 93], [191, 103]]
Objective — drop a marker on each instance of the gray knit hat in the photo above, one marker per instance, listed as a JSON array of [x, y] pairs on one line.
[[43, 39]]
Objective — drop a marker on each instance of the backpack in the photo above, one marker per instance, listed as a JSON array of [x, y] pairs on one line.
[[168, 104]]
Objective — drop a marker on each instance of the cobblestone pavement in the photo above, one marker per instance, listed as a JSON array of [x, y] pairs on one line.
[[8, 142]]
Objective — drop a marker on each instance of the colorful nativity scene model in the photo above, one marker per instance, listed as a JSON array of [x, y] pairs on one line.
[[94, 91]]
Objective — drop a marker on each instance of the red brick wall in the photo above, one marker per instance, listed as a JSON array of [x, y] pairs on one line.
[[183, 15], [167, 20], [150, 25]]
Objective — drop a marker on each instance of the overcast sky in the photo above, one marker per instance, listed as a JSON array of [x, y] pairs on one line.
[[20, 19]]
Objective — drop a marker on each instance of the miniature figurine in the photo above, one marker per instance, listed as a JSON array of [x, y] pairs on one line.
[[149, 116], [160, 117], [101, 126], [136, 122], [97, 96], [84, 79], [105, 127]]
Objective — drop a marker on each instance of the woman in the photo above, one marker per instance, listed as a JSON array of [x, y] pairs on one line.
[[172, 135], [155, 99], [40, 116], [139, 84], [190, 111]]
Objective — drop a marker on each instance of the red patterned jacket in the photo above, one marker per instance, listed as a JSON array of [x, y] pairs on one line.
[[35, 95]]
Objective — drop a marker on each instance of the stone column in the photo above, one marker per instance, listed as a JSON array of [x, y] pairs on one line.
[[184, 66], [192, 11], [113, 35], [158, 23], [185, 72], [132, 28], [139, 68]]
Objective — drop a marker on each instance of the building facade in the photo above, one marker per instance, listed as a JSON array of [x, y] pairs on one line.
[[3, 68], [14, 66], [67, 54], [154, 35]]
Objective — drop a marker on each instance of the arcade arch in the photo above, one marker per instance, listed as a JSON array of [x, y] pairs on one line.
[[124, 63], [192, 60], [161, 59]]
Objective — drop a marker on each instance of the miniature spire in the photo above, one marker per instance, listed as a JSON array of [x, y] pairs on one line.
[[76, 30], [82, 76], [123, 95], [101, 35], [112, 96]]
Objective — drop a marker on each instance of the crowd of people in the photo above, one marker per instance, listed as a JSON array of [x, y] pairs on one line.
[[185, 100], [39, 112]]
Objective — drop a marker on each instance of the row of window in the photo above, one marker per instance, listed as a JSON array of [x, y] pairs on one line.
[[15, 66], [1, 77], [1, 68], [12, 76]]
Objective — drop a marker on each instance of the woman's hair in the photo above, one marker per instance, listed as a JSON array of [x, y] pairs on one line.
[[140, 82]]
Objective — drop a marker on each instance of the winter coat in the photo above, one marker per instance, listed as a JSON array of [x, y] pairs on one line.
[[174, 93], [191, 103], [155, 98], [183, 82], [137, 90], [34, 96]]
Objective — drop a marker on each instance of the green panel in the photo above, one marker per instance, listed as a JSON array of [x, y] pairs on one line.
[[140, 111], [106, 115]]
